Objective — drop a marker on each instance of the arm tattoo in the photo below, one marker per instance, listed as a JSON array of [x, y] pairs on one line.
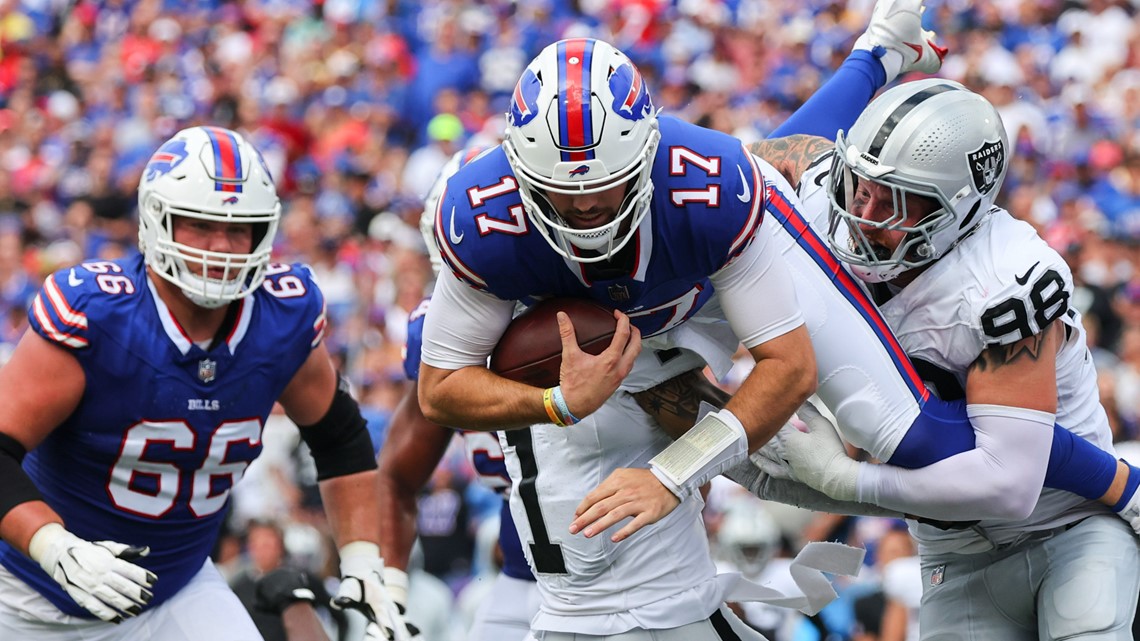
[[679, 398], [792, 155], [994, 356]]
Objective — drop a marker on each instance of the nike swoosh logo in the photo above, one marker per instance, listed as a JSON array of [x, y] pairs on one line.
[[746, 196], [917, 48], [455, 238], [1021, 280], [72, 280]]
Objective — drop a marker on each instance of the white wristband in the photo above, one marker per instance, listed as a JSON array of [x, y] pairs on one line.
[[396, 580], [717, 442], [43, 539]]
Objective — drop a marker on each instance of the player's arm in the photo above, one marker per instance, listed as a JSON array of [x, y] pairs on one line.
[[456, 388], [1011, 394], [760, 305], [331, 425], [411, 452], [675, 404], [792, 155], [42, 384]]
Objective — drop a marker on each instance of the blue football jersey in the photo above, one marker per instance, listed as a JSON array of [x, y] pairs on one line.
[[707, 203], [164, 428], [484, 452]]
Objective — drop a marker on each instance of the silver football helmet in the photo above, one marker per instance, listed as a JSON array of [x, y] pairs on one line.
[[931, 138], [748, 537], [214, 174], [582, 121]]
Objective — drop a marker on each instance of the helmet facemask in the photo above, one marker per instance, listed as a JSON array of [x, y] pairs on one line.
[[847, 231], [582, 122], [190, 188]]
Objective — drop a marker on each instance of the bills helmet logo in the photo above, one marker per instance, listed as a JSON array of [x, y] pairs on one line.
[[631, 97], [232, 200], [168, 156], [524, 102], [580, 170]]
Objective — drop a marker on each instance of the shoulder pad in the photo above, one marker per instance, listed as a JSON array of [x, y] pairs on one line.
[[1031, 285], [72, 299], [292, 291]]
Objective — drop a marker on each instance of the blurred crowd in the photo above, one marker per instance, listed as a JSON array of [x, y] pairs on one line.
[[356, 104]]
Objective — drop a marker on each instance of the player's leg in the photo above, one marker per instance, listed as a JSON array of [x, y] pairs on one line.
[[205, 609], [1093, 576], [977, 597], [506, 612]]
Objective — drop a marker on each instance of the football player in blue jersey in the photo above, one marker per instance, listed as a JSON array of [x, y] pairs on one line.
[[593, 194], [137, 400], [412, 450]]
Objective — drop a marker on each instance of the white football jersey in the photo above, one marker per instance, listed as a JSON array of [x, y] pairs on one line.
[[1002, 284], [661, 577]]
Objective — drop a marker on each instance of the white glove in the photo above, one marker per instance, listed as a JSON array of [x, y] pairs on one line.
[[818, 457], [896, 27], [362, 588], [99, 575], [1131, 510], [396, 582]]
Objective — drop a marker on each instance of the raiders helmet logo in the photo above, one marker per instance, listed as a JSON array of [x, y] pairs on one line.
[[986, 164]]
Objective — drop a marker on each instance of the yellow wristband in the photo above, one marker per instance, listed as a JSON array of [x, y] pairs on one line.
[[551, 411]]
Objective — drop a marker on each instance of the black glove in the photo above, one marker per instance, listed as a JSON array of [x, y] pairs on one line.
[[285, 586]]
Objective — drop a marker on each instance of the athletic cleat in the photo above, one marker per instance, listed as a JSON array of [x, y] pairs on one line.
[[895, 36]]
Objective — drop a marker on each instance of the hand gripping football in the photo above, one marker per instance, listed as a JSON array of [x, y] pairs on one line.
[[530, 351]]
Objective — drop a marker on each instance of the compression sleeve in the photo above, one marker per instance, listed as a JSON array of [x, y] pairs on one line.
[[943, 430], [1001, 477], [463, 325], [839, 101]]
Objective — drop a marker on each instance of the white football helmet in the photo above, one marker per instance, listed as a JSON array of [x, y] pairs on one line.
[[214, 174], [582, 121], [748, 537], [932, 138], [431, 203]]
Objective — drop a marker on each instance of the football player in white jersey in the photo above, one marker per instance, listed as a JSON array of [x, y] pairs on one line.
[[137, 399], [984, 301], [592, 102]]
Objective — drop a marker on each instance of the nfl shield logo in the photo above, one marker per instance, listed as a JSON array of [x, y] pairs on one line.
[[207, 370], [618, 293], [938, 575]]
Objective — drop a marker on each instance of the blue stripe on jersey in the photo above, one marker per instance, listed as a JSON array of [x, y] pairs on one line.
[[514, 559], [810, 242]]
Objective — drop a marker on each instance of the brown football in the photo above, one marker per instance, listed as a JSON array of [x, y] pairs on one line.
[[530, 351]]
